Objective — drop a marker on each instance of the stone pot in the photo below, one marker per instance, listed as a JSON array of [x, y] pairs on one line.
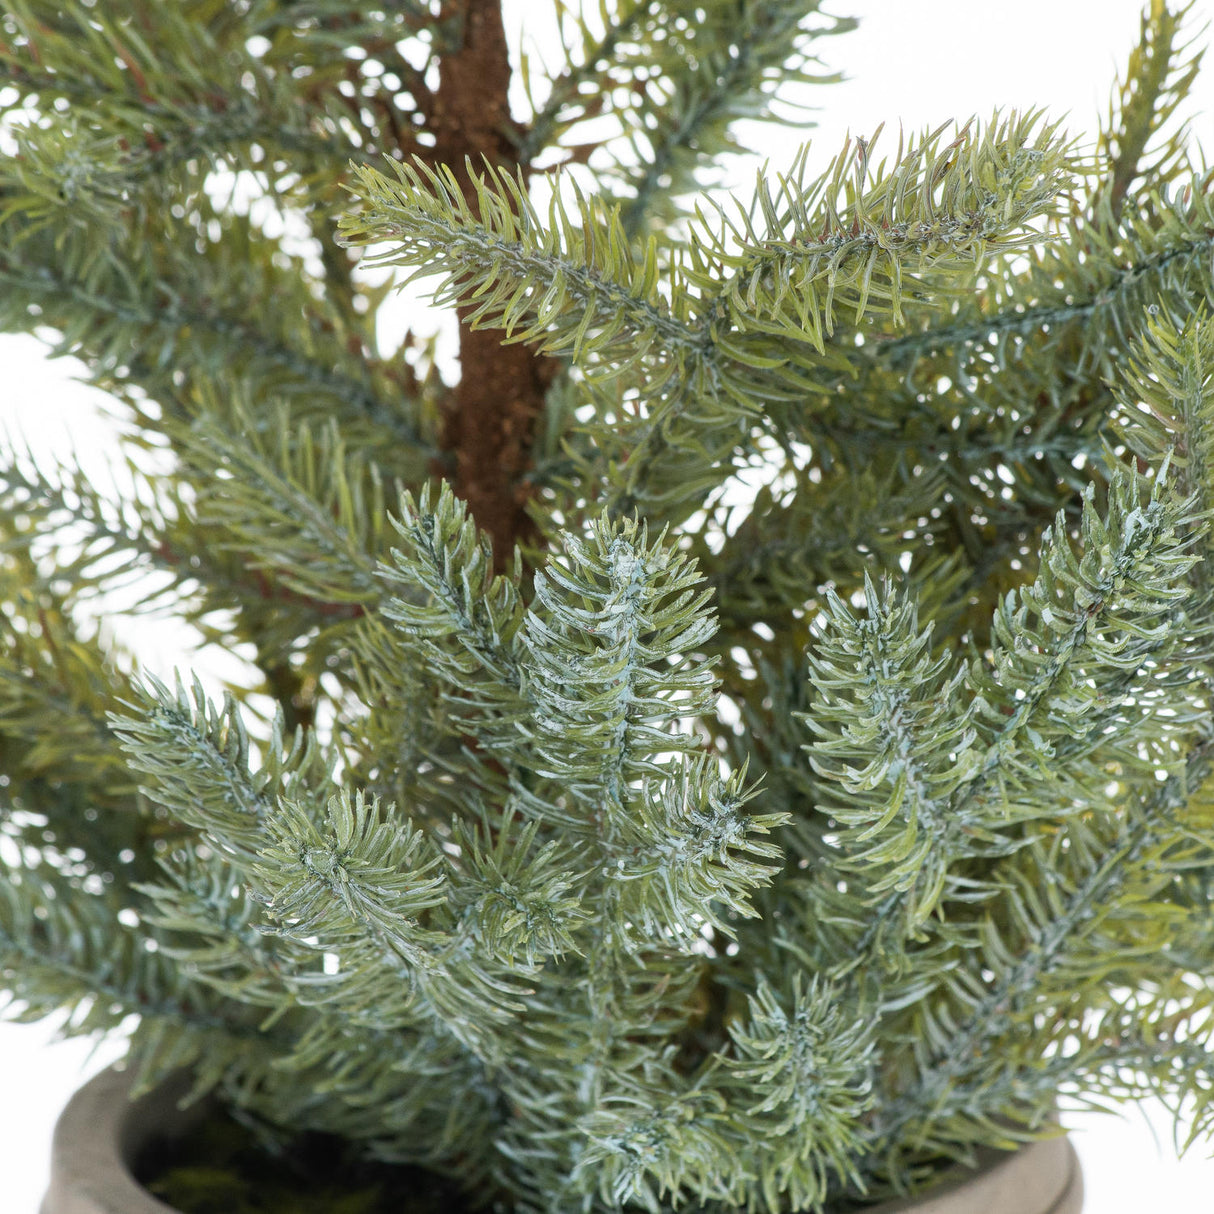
[[100, 1133], [1040, 1178]]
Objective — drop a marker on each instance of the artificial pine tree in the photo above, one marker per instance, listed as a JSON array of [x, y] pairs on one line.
[[610, 844]]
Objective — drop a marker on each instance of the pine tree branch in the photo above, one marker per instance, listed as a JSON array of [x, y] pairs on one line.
[[1157, 81], [57, 950], [808, 1055], [104, 547], [75, 308], [75, 954], [62, 762], [1116, 292], [736, 50], [179, 134], [721, 351], [467, 634], [1140, 832], [826, 529], [101, 543], [829, 251], [565, 92], [572, 286], [1089, 612], [357, 882], [206, 921], [330, 873], [308, 514], [197, 758], [1167, 399], [913, 746]]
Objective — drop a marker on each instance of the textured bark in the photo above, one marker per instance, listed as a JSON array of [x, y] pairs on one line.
[[489, 417]]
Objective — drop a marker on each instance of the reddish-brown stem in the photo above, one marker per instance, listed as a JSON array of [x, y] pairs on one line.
[[489, 417]]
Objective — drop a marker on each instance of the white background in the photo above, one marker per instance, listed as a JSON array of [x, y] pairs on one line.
[[915, 61]]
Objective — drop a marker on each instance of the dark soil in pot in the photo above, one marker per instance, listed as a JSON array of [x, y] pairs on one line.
[[222, 1168]]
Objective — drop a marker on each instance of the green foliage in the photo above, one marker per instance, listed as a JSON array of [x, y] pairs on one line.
[[764, 856], [1157, 80], [671, 78], [746, 308], [886, 703], [574, 284], [808, 1070], [1167, 389]]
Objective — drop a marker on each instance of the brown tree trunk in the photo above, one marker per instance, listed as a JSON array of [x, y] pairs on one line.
[[489, 417]]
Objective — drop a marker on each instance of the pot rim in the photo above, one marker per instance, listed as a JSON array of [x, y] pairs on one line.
[[101, 1131], [98, 1136], [1041, 1177]]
